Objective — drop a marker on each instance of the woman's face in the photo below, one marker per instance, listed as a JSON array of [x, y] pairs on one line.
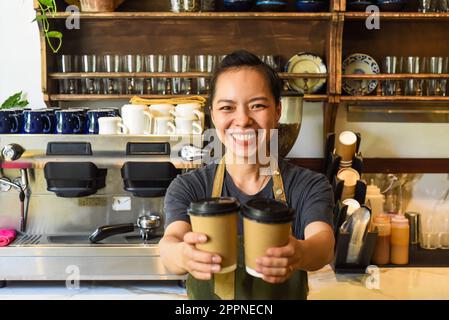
[[243, 105]]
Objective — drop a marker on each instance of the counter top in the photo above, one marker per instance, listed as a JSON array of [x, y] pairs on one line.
[[384, 283]]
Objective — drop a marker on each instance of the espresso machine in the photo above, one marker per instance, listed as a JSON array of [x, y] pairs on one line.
[[87, 205]]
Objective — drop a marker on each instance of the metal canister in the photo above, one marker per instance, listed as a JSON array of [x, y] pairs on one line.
[[413, 218]]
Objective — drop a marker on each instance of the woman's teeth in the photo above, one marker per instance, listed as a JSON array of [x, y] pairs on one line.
[[243, 137]]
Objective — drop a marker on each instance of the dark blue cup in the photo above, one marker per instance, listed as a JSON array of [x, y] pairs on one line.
[[36, 121], [21, 119], [238, 5], [52, 114], [82, 114], [9, 122], [69, 122], [94, 115]]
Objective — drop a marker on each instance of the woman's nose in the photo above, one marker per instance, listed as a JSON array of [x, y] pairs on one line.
[[242, 117]]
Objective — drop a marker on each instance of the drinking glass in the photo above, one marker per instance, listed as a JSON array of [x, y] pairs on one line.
[[155, 63], [111, 63], [133, 63], [444, 234], [411, 66], [204, 63], [68, 63], [429, 237], [180, 63], [90, 63], [443, 82], [424, 6], [435, 67], [389, 65]]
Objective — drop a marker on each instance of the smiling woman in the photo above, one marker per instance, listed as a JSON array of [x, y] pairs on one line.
[[246, 108]]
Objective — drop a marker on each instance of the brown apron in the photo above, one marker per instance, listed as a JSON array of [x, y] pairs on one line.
[[238, 284]]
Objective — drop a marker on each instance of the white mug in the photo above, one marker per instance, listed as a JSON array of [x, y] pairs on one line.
[[136, 118], [188, 125], [163, 125], [161, 110], [111, 125], [189, 109]]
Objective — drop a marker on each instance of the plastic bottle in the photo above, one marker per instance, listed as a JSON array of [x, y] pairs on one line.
[[400, 238], [375, 200], [381, 253]]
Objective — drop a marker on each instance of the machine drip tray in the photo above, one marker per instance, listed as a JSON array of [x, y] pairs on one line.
[[84, 239]]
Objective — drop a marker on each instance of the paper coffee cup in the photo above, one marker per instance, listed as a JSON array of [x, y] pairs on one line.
[[217, 218], [346, 145], [349, 177], [266, 224]]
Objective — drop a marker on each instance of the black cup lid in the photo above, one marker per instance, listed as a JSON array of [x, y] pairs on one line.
[[267, 211], [213, 206]]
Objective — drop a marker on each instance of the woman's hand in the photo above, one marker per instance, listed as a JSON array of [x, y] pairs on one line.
[[280, 263], [198, 263]]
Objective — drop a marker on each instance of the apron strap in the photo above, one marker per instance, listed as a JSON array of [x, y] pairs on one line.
[[224, 283]]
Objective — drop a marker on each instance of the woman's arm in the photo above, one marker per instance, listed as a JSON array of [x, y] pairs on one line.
[[179, 255], [310, 254]]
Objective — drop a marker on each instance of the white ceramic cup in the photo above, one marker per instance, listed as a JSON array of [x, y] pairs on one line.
[[161, 110], [111, 125], [136, 118], [189, 109], [163, 125], [188, 125]]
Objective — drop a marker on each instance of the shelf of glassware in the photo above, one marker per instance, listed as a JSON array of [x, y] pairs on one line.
[[395, 77], [198, 15], [105, 97], [398, 15]]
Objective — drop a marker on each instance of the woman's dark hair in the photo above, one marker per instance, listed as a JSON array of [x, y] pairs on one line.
[[245, 59]]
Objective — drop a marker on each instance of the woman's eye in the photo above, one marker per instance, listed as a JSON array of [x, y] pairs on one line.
[[258, 106], [225, 108]]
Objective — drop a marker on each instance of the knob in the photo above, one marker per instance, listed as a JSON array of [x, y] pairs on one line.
[[12, 152]]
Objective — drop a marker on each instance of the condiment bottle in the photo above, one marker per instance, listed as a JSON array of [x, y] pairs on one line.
[[400, 237], [381, 253], [375, 200]]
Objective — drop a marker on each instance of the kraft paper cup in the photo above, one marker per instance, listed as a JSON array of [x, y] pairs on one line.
[[346, 145], [217, 218], [266, 224], [349, 177]]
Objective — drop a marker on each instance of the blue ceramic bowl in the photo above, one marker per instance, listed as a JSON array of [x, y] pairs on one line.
[[391, 5], [358, 5], [238, 5], [312, 5]]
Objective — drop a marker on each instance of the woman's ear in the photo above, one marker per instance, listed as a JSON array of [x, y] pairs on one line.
[[278, 112], [211, 110]]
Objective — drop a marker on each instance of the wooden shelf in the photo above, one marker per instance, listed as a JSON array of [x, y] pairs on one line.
[[199, 15], [397, 76], [105, 97], [395, 98], [108, 75], [408, 16]]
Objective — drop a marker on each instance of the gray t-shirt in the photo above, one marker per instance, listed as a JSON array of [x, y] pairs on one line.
[[308, 192]]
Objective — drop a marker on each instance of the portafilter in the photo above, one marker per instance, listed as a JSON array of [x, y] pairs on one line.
[[146, 225]]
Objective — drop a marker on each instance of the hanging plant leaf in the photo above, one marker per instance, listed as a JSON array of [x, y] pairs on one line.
[[54, 34], [48, 3]]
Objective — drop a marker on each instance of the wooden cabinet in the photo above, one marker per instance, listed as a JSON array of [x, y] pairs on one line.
[[147, 27]]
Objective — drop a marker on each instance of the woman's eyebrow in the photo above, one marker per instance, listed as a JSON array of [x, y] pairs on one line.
[[258, 98], [225, 100]]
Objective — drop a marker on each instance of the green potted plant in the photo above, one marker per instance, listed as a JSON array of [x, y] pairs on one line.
[[14, 101], [46, 8]]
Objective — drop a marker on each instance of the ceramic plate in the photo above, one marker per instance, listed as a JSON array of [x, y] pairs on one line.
[[306, 63], [360, 64]]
